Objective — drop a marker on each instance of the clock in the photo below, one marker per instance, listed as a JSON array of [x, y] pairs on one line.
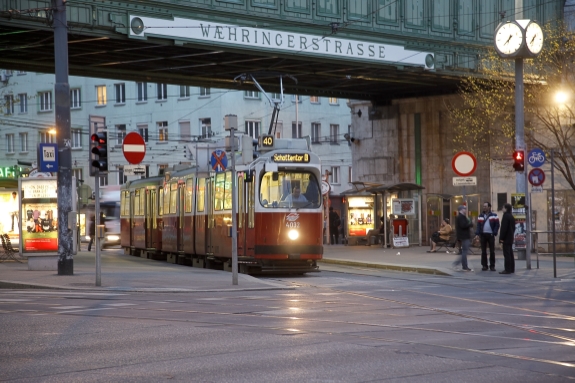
[[534, 38], [508, 39]]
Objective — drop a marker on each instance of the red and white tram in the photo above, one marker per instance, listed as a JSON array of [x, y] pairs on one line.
[[185, 217]]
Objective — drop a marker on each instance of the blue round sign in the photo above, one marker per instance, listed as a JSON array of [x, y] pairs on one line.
[[536, 158], [219, 160]]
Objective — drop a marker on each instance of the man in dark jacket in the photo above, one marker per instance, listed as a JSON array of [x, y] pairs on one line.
[[462, 228], [334, 223], [487, 229], [506, 238]]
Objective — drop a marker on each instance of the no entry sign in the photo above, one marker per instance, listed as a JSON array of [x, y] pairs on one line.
[[134, 148], [464, 164]]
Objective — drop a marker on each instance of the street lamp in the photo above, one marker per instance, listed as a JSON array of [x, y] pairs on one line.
[[561, 97]]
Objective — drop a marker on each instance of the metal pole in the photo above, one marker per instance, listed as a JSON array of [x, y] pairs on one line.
[[96, 223], [234, 209], [553, 211], [62, 108], [519, 129], [527, 220]]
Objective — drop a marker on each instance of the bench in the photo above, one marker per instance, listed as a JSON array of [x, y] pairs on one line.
[[450, 244]]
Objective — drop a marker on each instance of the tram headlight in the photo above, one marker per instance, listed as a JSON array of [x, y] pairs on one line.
[[293, 235], [113, 237]]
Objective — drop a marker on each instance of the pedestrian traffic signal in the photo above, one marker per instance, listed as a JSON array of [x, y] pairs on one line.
[[519, 160], [100, 149]]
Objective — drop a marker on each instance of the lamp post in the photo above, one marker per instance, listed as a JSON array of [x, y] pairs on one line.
[[231, 124]]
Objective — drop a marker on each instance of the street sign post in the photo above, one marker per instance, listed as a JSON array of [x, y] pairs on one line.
[[134, 170], [536, 158], [48, 157], [464, 164], [464, 181], [219, 160], [134, 148], [536, 177]]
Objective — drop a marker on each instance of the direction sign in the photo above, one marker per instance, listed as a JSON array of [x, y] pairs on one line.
[[464, 181], [536, 158], [48, 157], [134, 170], [464, 164], [536, 177], [134, 148], [219, 161]]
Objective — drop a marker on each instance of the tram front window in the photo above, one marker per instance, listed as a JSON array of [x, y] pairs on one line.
[[289, 189]]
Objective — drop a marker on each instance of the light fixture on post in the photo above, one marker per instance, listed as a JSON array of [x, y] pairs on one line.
[[350, 139]]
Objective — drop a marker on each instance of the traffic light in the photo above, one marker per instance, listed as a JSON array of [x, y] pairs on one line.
[[100, 140], [519, 160]]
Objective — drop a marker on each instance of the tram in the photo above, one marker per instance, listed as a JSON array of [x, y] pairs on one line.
[[185, 216]]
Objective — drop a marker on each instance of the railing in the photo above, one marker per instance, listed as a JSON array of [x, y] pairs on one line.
[[535, 244]]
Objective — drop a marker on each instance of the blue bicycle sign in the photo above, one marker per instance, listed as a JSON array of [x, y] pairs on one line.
[[536, 158]]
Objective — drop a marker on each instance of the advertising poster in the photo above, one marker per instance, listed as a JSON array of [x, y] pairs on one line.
[[518, 210], [39, 216], [9, 221], [403, 206], [360, 215]]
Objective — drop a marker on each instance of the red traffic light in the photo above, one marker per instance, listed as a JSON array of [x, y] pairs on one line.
[[100, 138], [519, 160]]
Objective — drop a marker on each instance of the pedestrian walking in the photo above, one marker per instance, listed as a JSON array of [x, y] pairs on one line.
[[334, 223], [463, 227], [487, 229], [92, 231], [506, 236]]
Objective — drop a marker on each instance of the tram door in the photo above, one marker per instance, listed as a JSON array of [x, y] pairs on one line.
[[181, 221], [151, 223], [210, 224]]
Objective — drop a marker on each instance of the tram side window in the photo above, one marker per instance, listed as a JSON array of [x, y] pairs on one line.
[[161, 204], [276, 191], [166, 201], [189, 195], [137, 203], [228, 191], [125, 203], [200, 195], [219, 190], [142, 202], [173, 197]]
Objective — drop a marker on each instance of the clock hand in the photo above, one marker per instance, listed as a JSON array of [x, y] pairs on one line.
[[510, 36], [533, 39]]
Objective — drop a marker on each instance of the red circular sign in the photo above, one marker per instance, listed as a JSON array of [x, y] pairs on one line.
[[464, 164], [134, 148], [536, 177]]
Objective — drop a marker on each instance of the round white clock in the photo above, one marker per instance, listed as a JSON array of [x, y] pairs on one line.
[[508, 39], [534, 38]]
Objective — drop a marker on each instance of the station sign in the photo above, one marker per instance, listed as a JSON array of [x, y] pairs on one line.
[[291, 158], [464, 181]]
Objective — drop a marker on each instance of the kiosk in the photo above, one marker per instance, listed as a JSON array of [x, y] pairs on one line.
[[361, 211]]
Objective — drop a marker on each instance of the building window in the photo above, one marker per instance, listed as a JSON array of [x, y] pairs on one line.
[[23, 142], [315, 133], [184, 91], [76, 138], [120, 90], [47, 138], [23, 101], [206, 127], [78, 173], [20, 72], [295, 98], [142, 90], [45, 99], [333, 101], [163, 131], [314, 99], [101, 99], [204, 92], [277, 97], [251, 94], [103, 179], [121, 177], [120, 134], [501, 200], [185, 131], [143, 130], [9, 104], [349, 174], [333, 133], [334, 176], [162, 92], [75, 99], [296, 130], [252, 129], [10, 143]]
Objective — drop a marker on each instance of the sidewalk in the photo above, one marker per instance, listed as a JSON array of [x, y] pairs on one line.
[[121, 272]]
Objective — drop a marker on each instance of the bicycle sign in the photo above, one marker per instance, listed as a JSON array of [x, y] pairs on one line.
[[536, 158]]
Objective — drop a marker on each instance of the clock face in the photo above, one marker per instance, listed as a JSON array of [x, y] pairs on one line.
[[508, 39], [534, 38]]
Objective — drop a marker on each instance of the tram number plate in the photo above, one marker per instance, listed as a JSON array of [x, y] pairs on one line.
[[292, 225]]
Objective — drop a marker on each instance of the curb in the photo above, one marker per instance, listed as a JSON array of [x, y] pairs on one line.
[[408, 269]]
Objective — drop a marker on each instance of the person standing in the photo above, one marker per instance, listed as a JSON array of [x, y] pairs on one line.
[[14, 209], [487, 229], [463, 227], [506, 236], [92, 230], [334, 223]]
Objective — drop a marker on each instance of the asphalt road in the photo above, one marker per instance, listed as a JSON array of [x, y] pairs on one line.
[[341, 325]]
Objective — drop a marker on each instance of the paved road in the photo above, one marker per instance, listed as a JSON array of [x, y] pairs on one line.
[[346, 324]]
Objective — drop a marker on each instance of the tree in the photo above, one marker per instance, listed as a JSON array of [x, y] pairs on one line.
[[484, 121]]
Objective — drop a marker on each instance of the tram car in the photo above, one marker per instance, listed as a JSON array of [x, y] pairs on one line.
[[185, 216]]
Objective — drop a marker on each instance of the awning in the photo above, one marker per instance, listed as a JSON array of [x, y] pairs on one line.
[[404, 186]]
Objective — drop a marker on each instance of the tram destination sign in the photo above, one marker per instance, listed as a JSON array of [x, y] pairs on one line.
[[295, 158]]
